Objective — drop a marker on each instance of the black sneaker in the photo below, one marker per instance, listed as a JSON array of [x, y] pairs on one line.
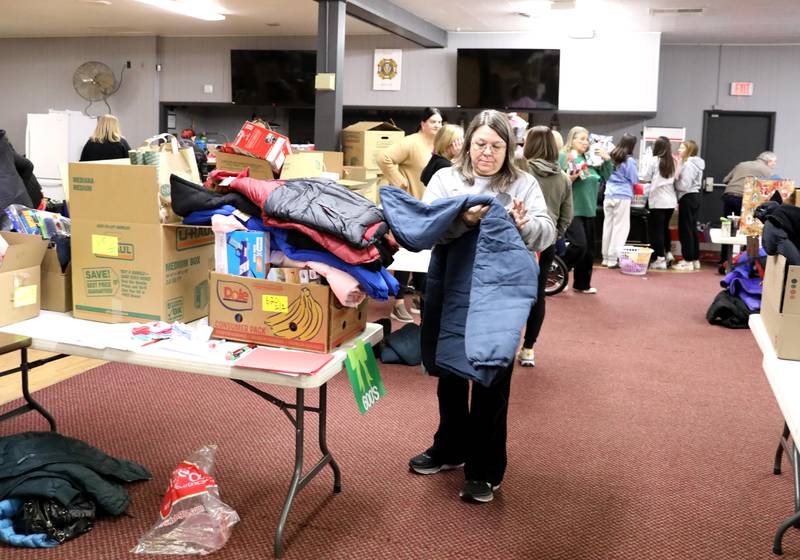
[[478, 491], [425, 464]]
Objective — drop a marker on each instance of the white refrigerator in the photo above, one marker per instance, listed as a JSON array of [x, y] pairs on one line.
[[52, 139]]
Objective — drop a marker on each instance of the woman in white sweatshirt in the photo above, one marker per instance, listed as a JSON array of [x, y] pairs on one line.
[[661, 199], [687, 186]]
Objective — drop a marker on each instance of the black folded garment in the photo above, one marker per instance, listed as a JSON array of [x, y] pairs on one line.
[[781, 233], [188, 197]]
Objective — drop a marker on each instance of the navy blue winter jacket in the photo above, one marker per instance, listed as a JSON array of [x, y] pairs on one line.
[[480, 286]]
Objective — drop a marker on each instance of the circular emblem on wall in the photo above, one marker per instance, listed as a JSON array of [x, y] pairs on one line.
[[387, 68]]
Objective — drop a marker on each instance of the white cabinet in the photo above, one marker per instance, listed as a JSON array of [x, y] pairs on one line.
[[56, 138]]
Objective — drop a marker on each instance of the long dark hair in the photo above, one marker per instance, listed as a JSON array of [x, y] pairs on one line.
[[662, 149], [509, 172], [427, 113], [540, 144], [623, 150]]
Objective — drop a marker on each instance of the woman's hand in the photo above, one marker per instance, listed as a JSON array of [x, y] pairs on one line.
[[473, 215], [574, 176], [520, 213], [455, 147], [603, 153]]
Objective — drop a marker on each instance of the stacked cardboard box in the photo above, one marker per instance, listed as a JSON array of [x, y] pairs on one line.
[[128, 265]]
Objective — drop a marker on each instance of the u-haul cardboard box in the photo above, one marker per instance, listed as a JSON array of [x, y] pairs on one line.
[[303, 316], [20, 277], [364, 141], [780, 306], [126, 265], [259, 168]]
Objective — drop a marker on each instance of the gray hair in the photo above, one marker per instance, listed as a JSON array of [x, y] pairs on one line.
[[767, 157], [508, 172]]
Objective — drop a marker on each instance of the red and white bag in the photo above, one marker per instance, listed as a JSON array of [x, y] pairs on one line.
[[193, 518]]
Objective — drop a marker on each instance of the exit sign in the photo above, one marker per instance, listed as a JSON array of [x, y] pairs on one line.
[[741, 88]]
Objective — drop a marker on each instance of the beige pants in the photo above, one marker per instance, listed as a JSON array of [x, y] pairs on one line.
[[616, 226]]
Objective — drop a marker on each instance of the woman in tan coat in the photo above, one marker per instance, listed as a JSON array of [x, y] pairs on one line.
[[402, 165]]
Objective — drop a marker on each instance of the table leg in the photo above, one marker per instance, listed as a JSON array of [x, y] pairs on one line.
[[794, 520], [30, 402], [298, 470], [776, 466], [323, 439]]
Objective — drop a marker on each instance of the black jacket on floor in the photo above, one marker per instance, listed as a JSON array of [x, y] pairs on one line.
[[49, 465]]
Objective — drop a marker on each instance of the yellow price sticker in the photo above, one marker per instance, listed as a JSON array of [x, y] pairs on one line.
[[276, 304], [26, 295], [105, 245]]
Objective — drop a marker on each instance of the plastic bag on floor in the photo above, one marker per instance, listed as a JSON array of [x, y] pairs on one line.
[[193, 519]]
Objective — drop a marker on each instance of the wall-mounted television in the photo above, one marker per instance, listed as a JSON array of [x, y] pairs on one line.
[[508, 78], [283, 78]]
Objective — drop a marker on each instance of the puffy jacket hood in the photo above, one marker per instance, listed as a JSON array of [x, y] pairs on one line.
[[544, 167]]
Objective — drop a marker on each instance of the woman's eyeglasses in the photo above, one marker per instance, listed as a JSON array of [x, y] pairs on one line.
[[495, 148]]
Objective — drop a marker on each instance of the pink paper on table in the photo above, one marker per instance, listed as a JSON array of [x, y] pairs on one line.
[[284, 361]]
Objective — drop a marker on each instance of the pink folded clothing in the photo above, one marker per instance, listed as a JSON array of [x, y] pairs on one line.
[[225, 224], [346, 288]]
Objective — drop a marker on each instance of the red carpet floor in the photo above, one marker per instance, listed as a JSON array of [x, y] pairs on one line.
[[643, 433]]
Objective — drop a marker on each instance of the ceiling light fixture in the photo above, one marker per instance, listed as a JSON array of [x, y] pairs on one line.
[[195, 9]]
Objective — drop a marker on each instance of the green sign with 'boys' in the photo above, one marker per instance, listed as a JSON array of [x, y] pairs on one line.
[[362, 369]]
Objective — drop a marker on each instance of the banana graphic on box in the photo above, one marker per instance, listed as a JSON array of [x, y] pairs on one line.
[[302, 321]]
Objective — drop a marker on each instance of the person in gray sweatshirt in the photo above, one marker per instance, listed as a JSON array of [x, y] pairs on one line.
[[687, 187], [541, 161]]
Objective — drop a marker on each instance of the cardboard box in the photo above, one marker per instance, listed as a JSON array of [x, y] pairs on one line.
[[780, 306], [127, 265], [303, 164], [334, 162], [259, 168], [56, 285], [364, 141], [359, 174], [303, 316], [257, 140], [20, 277]]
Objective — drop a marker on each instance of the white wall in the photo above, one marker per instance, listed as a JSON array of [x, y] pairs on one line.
[[697, 78], [429, 75], [37, 76]]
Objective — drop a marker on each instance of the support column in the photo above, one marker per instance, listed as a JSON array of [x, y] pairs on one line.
[[330, 59]]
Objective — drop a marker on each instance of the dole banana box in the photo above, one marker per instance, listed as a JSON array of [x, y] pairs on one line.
[[288, 314], [126, 264]]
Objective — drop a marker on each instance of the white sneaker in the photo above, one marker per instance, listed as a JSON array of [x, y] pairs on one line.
[[604, 263], [659, 264], [613, 263], [669, 257], [696, 265], [587, 291], [684, 266]]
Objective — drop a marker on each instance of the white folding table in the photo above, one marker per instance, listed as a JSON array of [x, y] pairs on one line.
[[784, 379], [64, 335]]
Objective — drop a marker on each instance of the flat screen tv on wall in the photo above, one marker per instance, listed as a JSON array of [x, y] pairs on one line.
[[508, 78], [283, 78]]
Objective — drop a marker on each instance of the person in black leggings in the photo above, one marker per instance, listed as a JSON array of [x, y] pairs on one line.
[[541, 155]]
